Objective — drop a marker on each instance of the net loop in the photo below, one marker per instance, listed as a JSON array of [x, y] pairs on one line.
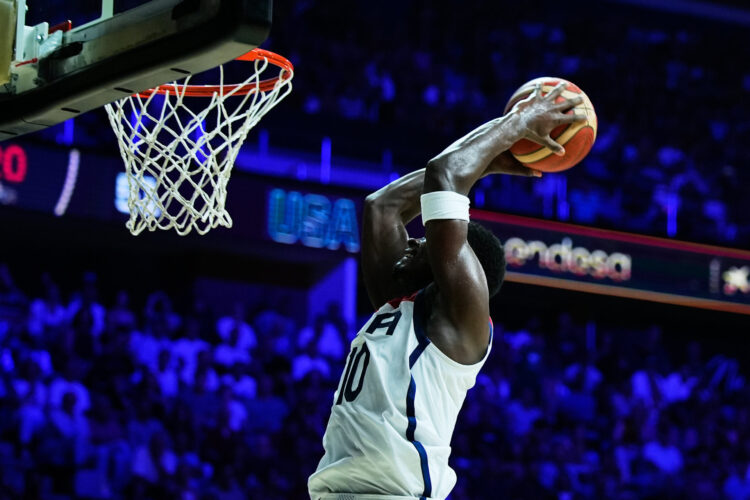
[[179, 152]]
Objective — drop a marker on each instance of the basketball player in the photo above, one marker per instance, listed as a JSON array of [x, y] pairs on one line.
[[410, 366]]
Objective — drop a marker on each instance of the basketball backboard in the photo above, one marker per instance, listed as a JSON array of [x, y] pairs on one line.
[[49, 74]]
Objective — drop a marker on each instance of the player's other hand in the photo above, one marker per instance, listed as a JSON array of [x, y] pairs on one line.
[[539, 114], [506, 163]]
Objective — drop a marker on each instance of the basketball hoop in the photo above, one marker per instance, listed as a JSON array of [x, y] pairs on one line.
[[178, 159]]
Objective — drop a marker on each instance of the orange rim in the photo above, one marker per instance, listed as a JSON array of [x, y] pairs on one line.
[[238, 89]]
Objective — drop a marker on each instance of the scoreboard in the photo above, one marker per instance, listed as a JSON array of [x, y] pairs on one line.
[[40, 178], [14, 164]]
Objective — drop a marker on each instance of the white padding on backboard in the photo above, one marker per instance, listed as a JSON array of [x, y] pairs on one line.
[[7, 37]]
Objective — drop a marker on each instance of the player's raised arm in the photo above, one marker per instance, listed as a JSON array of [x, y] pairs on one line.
[[384, 237], [386, 213], [462, 294], [388, 210]]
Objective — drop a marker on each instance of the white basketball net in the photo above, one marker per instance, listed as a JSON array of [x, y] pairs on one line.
[[178, 160]]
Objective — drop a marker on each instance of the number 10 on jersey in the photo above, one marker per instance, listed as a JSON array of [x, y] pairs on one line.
[[347, 390]]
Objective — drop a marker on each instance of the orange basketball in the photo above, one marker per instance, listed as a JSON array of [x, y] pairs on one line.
[[576, 138]]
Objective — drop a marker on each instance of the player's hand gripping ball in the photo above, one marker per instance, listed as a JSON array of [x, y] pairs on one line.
[[577, 138]]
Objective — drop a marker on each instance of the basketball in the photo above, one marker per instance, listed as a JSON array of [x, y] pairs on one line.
[[576, 138]]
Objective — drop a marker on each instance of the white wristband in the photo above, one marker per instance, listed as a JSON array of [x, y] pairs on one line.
[[444, 205]]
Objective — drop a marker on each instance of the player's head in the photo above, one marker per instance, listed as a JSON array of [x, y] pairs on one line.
[[412, 271], [490, 253]]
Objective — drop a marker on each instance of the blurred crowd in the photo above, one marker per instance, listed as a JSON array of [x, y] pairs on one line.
[[102, 399], [592, 411], [112, 402]]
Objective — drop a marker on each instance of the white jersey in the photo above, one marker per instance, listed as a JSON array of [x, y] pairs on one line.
[[394, 412]]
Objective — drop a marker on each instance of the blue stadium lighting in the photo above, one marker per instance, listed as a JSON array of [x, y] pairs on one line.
[[325, 160], [479, 197], [66, 136]]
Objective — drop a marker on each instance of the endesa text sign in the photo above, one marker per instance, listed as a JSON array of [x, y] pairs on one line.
[[622, 264]]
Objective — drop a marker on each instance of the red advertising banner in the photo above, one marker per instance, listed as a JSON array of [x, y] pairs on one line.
[[572, 257]]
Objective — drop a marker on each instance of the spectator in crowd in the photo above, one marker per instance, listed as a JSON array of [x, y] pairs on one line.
[[147, 345], [72, 428], [70, 382], [330, 331], [310, 360], [110, 450], [231, 351], [737, 484], [166, 374], [232, 413], [242, 383], [663, 453], [523, 413], [121, 315], [267, 411], [235, 330], [47, 315], [12, 300], [30, 393], [154, 467], [160, 314], [188, 347], [85, 304]]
